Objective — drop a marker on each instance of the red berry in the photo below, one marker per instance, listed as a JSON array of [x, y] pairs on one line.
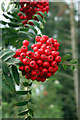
[[29, 54], [33, 45], [58, 59], [24, 48], [27, 68], [43, 46], [35, 49], [27, 76], [22, 55], [54, 53], [32, 64], [49, 42], [19, 14], [40, 68], [43, 57], [36, 56], [19, 58], [33, 78], [38, 72], [54, 63], [44, 71], [18, 52], [42, 40], [47, 52], [49, 74], [43, 79], [38, 79], [21, 68], [45, 36], [33, 73], [37, 38], [50, 58], [39, 62], [25, 42], [46, 64], [55, 69], [50, 69], [39, 44], [26, 61], [40, 51]]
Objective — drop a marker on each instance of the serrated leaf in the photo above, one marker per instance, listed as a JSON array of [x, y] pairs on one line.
[[73, 61], [8, 56], [13, 25], [65, 57], [5, 68], [23, 113], [4, 52], [9, 81], [6, 86], [22, 103], [15, 74]]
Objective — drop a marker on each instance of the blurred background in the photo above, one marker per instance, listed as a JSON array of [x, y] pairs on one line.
[[58, 97]]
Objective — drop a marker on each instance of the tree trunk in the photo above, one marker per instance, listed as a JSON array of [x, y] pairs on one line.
[[75, 56]]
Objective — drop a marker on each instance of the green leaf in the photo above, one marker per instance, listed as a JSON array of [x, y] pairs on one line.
[[73, 67], [28, 118], [4, 52], [6, 86], [21, 92], [65, 67], [7, 17], [31, 27], [41, 13], [39, 17], [9, 81], [2, 6], [15, 74], [3, 22], [5, 68], [30, 112], [13, 25], [13, 61], [8, 55], [73, 61], [22, 103], [27, 84], [36, 24], [23, 113], [65, 57]]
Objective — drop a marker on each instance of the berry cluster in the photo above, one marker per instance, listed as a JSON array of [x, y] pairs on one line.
[[42, 63], [30, 8]]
